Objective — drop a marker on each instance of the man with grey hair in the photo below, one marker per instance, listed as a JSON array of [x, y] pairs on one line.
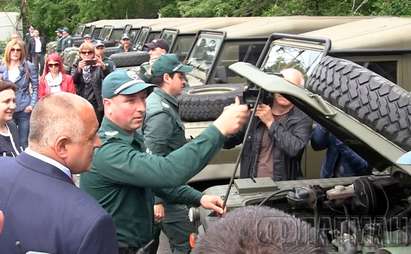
[[277, 137], [259, 230], [43, 209]]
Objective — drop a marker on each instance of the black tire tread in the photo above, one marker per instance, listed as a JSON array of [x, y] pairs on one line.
[[373, 100], [206, 107]]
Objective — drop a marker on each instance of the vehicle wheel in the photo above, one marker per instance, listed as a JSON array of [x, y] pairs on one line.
[[205, 103], [365, 95], [134, 58]]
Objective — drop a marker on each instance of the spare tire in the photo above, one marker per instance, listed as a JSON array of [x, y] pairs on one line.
[[205, 103], [133, 58], [365, 95]]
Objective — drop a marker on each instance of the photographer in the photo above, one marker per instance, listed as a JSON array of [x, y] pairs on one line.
[[277, 138], [88, 76]]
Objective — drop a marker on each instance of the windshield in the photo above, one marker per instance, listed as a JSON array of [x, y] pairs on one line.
[[281, 57], [116, 34], [169, 36], [141, 39], [79, 30], [182, 46], [87, 30], [202, 57]]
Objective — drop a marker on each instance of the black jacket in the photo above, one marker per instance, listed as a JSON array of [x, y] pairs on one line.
[[290, 135], [15, 136], [96, 82], [31, 46]]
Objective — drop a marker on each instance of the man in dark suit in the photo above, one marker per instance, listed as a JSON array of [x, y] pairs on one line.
[[36, 49], [43, 210]]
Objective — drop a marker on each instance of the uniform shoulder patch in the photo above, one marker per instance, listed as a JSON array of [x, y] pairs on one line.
[[110, 133], [165, 104]]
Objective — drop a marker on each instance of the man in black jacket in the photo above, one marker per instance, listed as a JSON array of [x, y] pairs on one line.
[[277, 138], [36, 49]]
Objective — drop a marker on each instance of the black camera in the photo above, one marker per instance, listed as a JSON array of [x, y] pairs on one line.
[[250, 96]]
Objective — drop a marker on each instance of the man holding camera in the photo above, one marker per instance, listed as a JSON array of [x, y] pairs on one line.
[[277, 137], [87, 76]]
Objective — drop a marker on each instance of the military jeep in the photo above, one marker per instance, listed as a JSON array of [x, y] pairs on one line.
[[367, 112]]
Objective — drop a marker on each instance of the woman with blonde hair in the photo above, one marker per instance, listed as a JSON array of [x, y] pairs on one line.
[[22, 73], [88, 77], [54, 79]]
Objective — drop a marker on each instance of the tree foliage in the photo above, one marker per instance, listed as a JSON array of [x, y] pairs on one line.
[[47, 15], [208, 8]]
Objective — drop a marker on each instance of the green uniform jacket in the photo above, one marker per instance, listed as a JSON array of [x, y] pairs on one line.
[[163, 133], [123, 177]]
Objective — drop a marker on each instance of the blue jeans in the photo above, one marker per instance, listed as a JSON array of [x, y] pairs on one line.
[[22, 120]]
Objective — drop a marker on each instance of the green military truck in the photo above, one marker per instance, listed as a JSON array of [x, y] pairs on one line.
[[364, 109]]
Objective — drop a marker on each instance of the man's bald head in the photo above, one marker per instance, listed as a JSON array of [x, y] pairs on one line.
[[294, 76], [57, 115]]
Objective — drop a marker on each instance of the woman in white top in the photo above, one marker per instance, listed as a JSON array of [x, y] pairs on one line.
[[54, 79], [9, 142]]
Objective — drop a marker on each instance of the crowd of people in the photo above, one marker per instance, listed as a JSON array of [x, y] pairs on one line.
[[121, 130]]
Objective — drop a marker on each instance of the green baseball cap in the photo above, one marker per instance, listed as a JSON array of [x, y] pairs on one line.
[[123, 82], [169, 63]]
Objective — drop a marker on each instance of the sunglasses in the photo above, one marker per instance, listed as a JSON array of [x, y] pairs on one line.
[[15, 50], [54, 65], [87, 52]]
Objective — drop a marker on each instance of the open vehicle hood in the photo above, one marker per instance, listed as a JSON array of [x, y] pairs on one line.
[[380, 152]]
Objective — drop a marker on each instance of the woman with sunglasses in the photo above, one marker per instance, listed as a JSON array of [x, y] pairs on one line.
[[9, 142], [88, 77], [22, 73], [54, 79]]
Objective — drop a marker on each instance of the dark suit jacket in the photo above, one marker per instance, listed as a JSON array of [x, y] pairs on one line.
[[47, 213]]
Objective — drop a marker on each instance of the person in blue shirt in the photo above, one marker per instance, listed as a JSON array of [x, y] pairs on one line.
[[340, 160]]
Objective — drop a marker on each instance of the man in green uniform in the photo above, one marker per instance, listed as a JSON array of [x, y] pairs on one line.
[[163, 132], [123, 177]]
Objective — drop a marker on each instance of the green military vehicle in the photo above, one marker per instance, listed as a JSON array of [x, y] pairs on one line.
[[366, 111], [213, 85]]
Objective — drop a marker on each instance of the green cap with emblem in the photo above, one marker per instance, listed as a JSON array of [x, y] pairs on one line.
[[169, 63], [123, 82]]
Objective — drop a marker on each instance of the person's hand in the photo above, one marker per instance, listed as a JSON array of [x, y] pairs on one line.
[[264, 113], [100, 63], [1, 221], [81, 64], [232, 119], [159, 212], [28, 109], [212, 202]]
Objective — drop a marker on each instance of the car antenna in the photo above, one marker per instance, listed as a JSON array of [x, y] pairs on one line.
[[260, 92]]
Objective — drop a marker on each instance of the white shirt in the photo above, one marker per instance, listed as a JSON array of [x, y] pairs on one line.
[[49, 161], [37, 48], [14, 74]]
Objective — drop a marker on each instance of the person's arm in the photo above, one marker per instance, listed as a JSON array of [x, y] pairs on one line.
[[291, 141], [101, 238], [234, 140], [42, 88], [351, 158], [70, 87], [320, 138], [183, 194], [158, 129], [34, 84], [190, 196], [124, 164]]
